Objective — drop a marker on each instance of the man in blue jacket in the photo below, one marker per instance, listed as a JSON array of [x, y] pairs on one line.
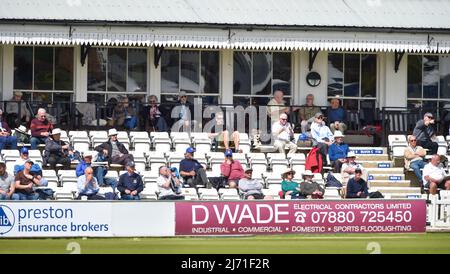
[[130, 183], [338, 151], [99, 171], [357, 187]]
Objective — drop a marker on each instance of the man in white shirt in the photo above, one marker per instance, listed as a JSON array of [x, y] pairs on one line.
[[434, 176], [168, 185], [282, 132]]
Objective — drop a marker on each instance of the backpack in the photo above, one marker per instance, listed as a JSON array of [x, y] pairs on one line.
[[45, 193], [130, 123], [331, 181], [22, 138], [376, 195]]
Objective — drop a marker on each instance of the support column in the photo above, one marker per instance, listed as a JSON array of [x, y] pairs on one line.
[[7, 72], [396, 82], [81, 75], [321, 67], [226, 76], [154, 75]]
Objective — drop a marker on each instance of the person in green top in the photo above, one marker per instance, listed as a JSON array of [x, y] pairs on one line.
[[289, 187]]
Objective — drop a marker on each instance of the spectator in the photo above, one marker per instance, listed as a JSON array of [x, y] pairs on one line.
[[337, 116], [349, 167], [289, 187], [12, 110], [231, 169], [192, 171], [114, 151], [7, 184], [35, 170], [277, 106], [250, 188], [5, 134], [424, 133], [434, 176], [169, 185], [184, 110], [88, 186], [310, 188], [40, 129], [414, 157], [357, 186], [99, 171], [121, 114], [57, 151], [322, 136], [25, 183], [223, 135], [154, 118], [306, 113], [338, 151], [283, 133], [130, 183]]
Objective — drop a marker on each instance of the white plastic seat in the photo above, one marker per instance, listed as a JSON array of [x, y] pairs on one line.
[[229, 194], [155, 159], [150, 176], [271, 193], [189, 193], [98, 137], [208, 194], [67, 176], [150, 191], [161, 141], [10, 154], [201, 141], [244, 143]]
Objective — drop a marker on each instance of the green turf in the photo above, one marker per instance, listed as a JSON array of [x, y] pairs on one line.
[[343, 243]]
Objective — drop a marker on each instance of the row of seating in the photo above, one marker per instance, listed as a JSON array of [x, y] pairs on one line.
[[398, 143]]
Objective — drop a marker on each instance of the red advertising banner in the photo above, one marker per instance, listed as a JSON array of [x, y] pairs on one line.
[[303, 216]]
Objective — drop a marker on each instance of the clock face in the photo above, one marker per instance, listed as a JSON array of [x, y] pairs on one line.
[[313, 79]]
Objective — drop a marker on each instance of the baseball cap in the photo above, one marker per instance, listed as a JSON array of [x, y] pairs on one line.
[[248, 169], [24, 150], [429, 115], [318, 114], [190, 150], [228, 152], [131, 164]]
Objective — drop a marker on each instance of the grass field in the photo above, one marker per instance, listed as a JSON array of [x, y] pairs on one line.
[[286, 244]]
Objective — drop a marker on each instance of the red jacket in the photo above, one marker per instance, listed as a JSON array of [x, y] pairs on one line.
[[314, 161], [233, 171]]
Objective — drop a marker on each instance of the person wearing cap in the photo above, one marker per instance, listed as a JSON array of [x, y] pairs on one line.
[[169, 185], [25, 183], [192, 171], [338, 151], [130, 183], [307, 112], [7, 184], [349, 167], [434, 176], [88, 186], [357, 186], [56, 151], [322, 135], [424, 132], [308, 187], [99, 171], [251, 189], [113, 150], [288, 186], [231, 169], [5, 134], [414, 156], [40, 128], [337, 116], [20, 162], [14, 106], [283, 132]]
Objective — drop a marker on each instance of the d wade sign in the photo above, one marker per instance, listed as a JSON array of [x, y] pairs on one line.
[[278, 217]]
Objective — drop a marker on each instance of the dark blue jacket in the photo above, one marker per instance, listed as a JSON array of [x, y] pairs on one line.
[[338, 151], [133, 182], [353, 187], [337, 114]]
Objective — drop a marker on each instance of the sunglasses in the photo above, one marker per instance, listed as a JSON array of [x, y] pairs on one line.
[[320, 117], [183, 96], [413, 140]]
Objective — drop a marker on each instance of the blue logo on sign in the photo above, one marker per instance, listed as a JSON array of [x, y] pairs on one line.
[[7, 219], [384, 165], [395, 178]]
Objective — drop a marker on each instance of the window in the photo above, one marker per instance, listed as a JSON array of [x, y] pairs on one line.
[[354, 78], [256, 75], [116, 70], [44, 73], [194, 72], [428, 81]]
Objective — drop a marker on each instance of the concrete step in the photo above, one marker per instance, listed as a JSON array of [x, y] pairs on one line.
[[386, 177], [373, 157], [392, 171], [384, 183], [369, 150], [376, 164], [395, 189]]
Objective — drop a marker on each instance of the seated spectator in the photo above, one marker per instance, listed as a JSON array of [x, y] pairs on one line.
[[169, 185], [283, 133], [40, 129], [434, 176], [24, 156], [251, 189], [114, 151], [88, 186], [56, 150], [184, 112], [337, 116], [357, 186], [192, 171], [7, 184], [310, 188], [306, 113], [414, 157], [289, 187], [338, 151], [35, 170], [99, 171], [5, 134], [12, 110], [277, 106], [349, 167], [130, 183], [121, 114], [322, 136], [154, 118], [25, 183], [222, 135], [231, 169], [424, 132]]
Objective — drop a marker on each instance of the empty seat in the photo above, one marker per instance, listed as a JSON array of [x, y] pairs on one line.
[[229, 194], [189, 193], [155, 159], [208, 194], [273, 193], [140, 140], [10, 154], [98, 137], [161, 141], [150, 191], [244, 143], [67, 176], [150, 176], [201, 141]]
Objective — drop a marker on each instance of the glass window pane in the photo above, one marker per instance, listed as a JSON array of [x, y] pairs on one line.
[[335, 73], [241, 101], [62, 97], [444, 64], [282, 72], [117, 69], [368, 75], [414, 104], [351, 104], [63, 68], [170, 70], [414, 76], [97, 69], [137, 70], [45, 97], [209, 82], [430, 76], [242, 72], [189, 80], [262, 73], [23, 67], [43, 68], [351, 74], [95, 97]]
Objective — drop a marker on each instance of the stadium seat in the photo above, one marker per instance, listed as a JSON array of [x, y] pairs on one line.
[[10, 154], [258, 163], [189, 193], [277, 162], [160, 141], [244, 143], [156, 159], [35, 155], [273, 192], [140, 140], [150, 176], [67, 176], [228, 194], [208, 194], [98, 137], [180, 141], [201, 141], [122, 136]]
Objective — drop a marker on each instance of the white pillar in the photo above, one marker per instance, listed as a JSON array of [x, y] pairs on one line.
[[7, 71], [154, 75], [1, 72], [396, 82], [226, 76], [381, 79], [296, 78], [81, 75], [320, 66]]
